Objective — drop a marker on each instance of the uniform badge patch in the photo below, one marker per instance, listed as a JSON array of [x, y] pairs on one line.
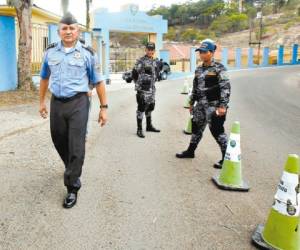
[[77, 55]]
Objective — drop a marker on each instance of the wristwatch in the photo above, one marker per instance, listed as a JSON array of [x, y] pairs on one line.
[[104, 106]]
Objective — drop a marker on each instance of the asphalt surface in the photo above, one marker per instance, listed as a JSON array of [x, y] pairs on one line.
[[136, 194]]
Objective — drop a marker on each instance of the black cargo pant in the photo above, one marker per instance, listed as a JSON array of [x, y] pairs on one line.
[[68, 123], [144, 106], [204, 116]]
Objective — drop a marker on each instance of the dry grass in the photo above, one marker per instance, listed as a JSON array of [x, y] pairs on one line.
[[18, 97]]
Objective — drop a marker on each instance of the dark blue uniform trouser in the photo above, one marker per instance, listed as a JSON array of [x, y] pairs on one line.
[[68, 123], [216, 126], [143, 107]]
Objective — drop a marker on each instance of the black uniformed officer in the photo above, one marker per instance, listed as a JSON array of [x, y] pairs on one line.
[[209, 101], [145, 73], [70, 66]]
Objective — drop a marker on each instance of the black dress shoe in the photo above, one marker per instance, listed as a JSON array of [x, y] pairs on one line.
[[140, 133], [186, 154], [70, 200], [218, 165], [152, 129]]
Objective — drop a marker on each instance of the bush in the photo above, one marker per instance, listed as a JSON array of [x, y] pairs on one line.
[[232, 23], [289, 25], [192, 34], [171, 35], [144, 41]]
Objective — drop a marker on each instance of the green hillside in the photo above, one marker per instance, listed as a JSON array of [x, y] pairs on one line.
[[194, 21]]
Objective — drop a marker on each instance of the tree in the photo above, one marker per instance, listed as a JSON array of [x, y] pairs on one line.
[[23, 10], [182, 14], [278, 4], [64, 6], [171, 35], [162, 10], [88, 18], [229, 23], [192, 35]]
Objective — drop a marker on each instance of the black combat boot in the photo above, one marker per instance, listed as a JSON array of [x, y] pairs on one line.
[[189, 153], [150, 127], [140, 128], [219, 164]]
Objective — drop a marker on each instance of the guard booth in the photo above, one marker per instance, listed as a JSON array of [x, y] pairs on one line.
[[129, 20]]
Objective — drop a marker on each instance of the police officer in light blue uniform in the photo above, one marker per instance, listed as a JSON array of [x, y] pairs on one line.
[[68, 68]]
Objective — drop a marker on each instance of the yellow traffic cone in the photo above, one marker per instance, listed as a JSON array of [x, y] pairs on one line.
[[185, 89], [190, 84], [282, 230], [187, 102], [188, 129], [230, 177]]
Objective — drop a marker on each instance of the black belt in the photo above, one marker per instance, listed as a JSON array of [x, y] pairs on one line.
[[68, 99]]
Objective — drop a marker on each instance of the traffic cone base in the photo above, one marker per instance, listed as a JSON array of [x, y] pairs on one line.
[[185, 89], [282, 228], [187, 132], [258, 239], [187, 106], [242, 188], [230, 177]]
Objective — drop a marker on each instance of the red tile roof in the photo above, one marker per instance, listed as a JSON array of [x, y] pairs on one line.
[[180, 51]]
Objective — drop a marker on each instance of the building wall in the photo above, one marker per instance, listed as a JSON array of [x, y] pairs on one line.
[[40, 32], [8, 60], [180, 65], [39, 44]]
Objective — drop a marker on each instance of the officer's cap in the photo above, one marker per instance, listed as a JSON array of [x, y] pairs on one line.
[[68, 19], [150, 46], [207, 46]]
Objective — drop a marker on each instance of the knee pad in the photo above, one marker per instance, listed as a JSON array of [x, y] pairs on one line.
[[140, 115], [151, 107]]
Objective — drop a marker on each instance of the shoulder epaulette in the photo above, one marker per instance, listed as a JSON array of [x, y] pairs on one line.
[[51, 45], [89, 48]]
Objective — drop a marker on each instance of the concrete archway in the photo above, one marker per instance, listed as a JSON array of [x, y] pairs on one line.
[[130, 19]]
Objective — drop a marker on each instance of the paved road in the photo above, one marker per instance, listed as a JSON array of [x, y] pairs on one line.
[[136, 194]]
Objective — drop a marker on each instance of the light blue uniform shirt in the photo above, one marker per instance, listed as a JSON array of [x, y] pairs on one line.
[[70, 72]]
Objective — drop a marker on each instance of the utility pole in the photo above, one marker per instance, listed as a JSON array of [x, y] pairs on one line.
[[260, 17], [259, 5]]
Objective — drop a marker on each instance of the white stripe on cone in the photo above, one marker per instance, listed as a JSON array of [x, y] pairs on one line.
[[287, 197], [233, 151]]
